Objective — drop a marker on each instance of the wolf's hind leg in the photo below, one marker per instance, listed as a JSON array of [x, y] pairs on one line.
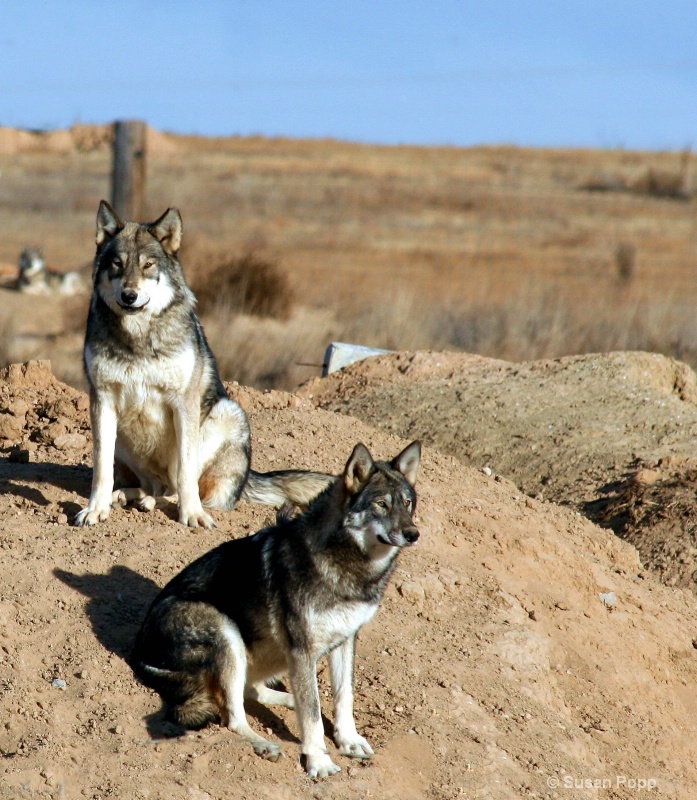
[[231, 673], [269, 697], [224, 449]]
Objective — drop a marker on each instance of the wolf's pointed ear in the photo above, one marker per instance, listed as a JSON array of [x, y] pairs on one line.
[[358, 469], [108, 223], [168, 230], [407, 462]]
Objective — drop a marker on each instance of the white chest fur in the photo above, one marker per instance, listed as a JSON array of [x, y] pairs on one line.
[[143, 393], [329, 628], [143, 381]]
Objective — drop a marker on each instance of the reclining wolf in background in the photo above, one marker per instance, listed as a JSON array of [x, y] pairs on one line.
[[158, 408]]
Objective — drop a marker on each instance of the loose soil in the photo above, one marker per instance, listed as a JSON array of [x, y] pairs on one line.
[[521, 650]]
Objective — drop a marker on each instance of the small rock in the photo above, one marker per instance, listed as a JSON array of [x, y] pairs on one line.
[[59, 683], [488, 471], [609, 599], [412, 592], [10, 427], [18, 408], [70, 441], [646, 477], [49, 433], [62, 519]]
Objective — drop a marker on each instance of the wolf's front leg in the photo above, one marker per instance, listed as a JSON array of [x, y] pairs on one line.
[[103, 420], [303, 677], [346, 736], [186, 426]]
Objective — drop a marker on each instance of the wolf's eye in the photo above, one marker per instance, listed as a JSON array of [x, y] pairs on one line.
[[148, 264], [381, 504], [408, 503], [117, 263]]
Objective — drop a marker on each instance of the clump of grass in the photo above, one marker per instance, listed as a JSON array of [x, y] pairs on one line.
[[661, 183], [625, 262], [672, 184], [269, 353], [244, 284]]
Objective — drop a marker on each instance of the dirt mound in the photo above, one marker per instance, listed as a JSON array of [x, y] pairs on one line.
[[520, 651], [573, 430]]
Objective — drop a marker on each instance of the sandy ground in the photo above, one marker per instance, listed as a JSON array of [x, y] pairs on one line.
[[521, 651]]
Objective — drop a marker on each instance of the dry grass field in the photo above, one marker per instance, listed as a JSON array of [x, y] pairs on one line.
[[504, 251]]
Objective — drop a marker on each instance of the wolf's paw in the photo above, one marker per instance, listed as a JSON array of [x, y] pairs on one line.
[[355, 747], [267, 750], [320, 765], [119, 499], [91, 516], [196, 518], [147, 503]]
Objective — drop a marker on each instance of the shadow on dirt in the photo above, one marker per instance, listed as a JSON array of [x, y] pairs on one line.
[[69, 477], [116, 606]]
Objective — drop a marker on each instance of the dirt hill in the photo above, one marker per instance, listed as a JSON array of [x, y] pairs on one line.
[[613, 435], [520, 652]]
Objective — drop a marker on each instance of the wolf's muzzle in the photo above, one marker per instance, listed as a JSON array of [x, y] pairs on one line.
[[130, 300], [411, 535]]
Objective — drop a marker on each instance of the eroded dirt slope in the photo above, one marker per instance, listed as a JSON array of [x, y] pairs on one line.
[[591, 431], [520, 649]]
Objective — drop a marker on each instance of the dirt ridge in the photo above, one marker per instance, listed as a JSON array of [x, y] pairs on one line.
[[519, 647]]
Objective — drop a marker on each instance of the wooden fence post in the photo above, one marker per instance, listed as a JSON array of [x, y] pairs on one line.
[[128, 169]]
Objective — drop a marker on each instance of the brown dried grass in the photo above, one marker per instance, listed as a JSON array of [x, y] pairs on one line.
[[490, 249]]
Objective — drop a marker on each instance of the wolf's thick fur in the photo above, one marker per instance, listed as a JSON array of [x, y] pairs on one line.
[[253, 609], [36, 278], [159, 410]]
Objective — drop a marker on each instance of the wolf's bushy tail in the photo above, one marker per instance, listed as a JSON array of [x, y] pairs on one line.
[[296, 487], [187, 697]]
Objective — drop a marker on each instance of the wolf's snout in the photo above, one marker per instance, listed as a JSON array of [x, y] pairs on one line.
[[411, 535], [128, 297]]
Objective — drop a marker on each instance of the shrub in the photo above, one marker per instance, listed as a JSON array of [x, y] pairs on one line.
[[247, 284]]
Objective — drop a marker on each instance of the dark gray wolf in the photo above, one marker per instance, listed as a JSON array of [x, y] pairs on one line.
[[158, 407], [36, 278], [256, 608]]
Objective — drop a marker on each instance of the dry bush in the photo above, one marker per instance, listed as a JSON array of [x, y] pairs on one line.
[[625, 261], [661, 183], [604, 182], [246, 284], [267, 353]]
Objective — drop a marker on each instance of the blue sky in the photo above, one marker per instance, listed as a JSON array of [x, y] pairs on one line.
[[597, 73]]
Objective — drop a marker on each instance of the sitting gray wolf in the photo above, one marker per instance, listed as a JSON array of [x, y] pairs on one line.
[[36, 278], [256, 608], [158, 408]]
